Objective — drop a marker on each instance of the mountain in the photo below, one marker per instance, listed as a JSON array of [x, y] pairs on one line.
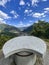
[[28, 29], [9, 30], [22, 28]]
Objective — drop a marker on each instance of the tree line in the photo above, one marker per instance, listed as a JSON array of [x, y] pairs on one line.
[[40, 29]]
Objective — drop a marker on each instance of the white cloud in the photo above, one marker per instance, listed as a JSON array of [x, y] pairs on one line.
[[27, 11], [28, 4], [46, 10], [30, 10], [4, 15], [22, 2], [21, 24], [34, 2], [3, 2], [14, 14], [44, 16], [38, 15], [2, 21], [30, 14]]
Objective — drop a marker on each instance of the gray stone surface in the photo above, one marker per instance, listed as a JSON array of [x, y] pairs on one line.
[[46, 59], [4, 61]]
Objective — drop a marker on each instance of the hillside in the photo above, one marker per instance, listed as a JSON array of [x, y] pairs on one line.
[[8, 28], [7, 32], [40, 29], [28, 29]]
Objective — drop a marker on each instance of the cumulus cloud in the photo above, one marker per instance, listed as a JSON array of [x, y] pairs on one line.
[[21, 24], [14, 14], [3, 2], [4, 15], [22, 2], [27, 11], [2, 21], [28, 4], [38, 15], [46, 10], [34, 2]]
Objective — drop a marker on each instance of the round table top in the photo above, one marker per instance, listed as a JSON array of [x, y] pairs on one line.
[[24, 43]]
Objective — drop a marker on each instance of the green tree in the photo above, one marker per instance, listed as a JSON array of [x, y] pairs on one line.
[[40, 29]]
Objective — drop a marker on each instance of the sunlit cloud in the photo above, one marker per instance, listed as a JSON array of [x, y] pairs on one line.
[[22, 2], [14, 14], [27, 11], [3, 2], [21, 24], [28, 4], [34, 2], [4, 15], [38, 15], [2, 21], [46, 10], [23, 13]]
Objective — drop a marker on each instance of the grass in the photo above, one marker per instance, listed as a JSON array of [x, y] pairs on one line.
[[47, 40]]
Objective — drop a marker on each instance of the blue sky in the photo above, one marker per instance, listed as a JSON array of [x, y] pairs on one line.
[[21, 13]]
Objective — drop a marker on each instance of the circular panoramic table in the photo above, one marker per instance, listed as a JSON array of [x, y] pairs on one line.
[[25, 49]]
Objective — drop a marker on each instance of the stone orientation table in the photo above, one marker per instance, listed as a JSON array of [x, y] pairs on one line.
[[25, 49]]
